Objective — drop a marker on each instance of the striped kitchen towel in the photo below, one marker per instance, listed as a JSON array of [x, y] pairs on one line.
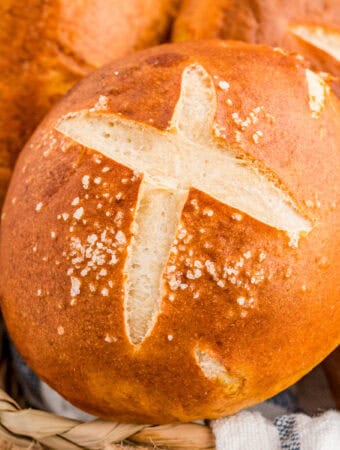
[[252, 431], [300, 418]]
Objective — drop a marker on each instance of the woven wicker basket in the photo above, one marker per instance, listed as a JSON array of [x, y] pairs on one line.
[[22, 427]]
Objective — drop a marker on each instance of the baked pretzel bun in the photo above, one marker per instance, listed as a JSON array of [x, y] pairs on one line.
[[170, 238], [311, 28], [47, 46]]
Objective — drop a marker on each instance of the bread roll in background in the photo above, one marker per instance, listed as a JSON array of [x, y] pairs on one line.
[[169, 242], [309, 27], [47, 46]]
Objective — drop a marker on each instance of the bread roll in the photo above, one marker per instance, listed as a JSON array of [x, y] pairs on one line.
[[311, 28], [47, 46], [170, 238]]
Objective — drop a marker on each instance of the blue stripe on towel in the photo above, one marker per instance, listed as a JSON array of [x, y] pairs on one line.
[[289, 436]]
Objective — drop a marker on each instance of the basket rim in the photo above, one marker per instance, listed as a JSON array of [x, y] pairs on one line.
[[25, 427]]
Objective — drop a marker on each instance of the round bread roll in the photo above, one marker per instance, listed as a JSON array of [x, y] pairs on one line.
[[170, 239], [311, 28], [47, 46]]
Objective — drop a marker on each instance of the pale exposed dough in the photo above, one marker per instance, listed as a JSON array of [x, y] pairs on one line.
[[317, 92], [157, 218], [215, 370], [323, 38], [172, 161]]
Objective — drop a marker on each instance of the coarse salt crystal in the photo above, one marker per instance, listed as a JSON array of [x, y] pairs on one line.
[[86, 180], [78, 213], [75, 286], [75, 201], [224, 85]]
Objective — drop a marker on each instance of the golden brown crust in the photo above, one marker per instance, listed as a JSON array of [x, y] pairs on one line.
[[81, 348], [261, 22], [46, 48]]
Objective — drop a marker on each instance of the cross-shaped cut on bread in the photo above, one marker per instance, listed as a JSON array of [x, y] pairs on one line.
[[185, 155]]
